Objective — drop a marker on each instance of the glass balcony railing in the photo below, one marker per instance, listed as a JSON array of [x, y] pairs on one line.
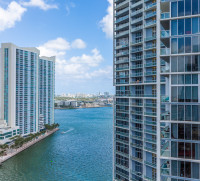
[[150, 23], [139, 74], [137, 41], [136, 58], [150, 73], [164, 98], [122, 33], [150, 149], [137, 20], [164, 69], [150, 122], [122, 53], [122, 118], [150, 163], [122, 26], [137, 12], [165, 51], [150, 81], [150, 105], [122, 4], [122, 11], [149, 15], [136, 4], [122, 103], [165, 33], [150, 6], [122, 61], [137, 66], [137, 112], [137, 50], [122, 76], [137, 28], [136, 120], [122, 19], [150, 46], [165, 115], [165, 15], [150, 131], [152, 64], [150, 113], [150, 55], [122, 68], [136, 104], [150, 38]]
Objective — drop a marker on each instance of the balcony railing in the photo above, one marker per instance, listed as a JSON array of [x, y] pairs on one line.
[[150, 73], [150, 55], [122, 76], [136, 12], [137, 50], [165, 15], [150, 38], [122, 3], [122, 19], [150, 23], [122, 53], [122, 26], [165, 51], [137, 66], [122, 61], [122, 33], [137, 28], [150, 6], [149, 15], [150, 64], [139, 74], [136, 58], [122, 68], [122, 11], [165, 33]]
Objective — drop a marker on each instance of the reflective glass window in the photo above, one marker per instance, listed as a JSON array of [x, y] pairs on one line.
[[174, 46], [188, 63], [180, 8], [195, 6], [181, 26], [194, 25], [174, 9], [187, 44], [174, 27], [188, 26], [187, 7], [181, 45]]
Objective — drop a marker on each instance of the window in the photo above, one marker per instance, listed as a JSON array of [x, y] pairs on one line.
[[188, 149], [194, 94], [195, 44], [180, 79], [174, 27], [174, 64], [195, 63], [181, 26], [195, 132], [174, 111], [188, 79], [180, 8], [181, 113], [187, 44], [188, 26], [174, 79], [181, 45], [174, 95], [194, 6], [195, 170], [188, 94], [181, 64], [188, 63], [188, 113], [194, 79], [194, 25], [174, 150], [188, 132], [195, 113], [181, 150], [174, 46], [188, 169], [174, 9], [187, 7], [174, 132], [196, 151]]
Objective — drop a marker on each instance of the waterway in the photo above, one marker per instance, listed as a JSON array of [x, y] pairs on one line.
[[80, 151]]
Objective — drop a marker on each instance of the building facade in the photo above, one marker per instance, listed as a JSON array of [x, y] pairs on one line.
[[46, 90], [19, 93], [157, 82]]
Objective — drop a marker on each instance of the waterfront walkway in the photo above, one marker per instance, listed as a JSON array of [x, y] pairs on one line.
[[13, 152]]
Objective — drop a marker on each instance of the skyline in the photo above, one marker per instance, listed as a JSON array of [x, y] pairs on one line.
[[83, 63]]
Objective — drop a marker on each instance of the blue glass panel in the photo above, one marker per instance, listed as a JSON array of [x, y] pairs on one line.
[[181, 45], [187, 7], [194, 25], [180, 8], [174, 27], [181, 26], [187, 44], [188, 26], [174, 9], [174, 46], [194, 6]]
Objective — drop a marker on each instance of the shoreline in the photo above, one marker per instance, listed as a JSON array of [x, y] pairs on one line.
[[26, 146], [82, 107]]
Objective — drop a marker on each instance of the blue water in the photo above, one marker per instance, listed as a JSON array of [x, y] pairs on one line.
[[83, 153]]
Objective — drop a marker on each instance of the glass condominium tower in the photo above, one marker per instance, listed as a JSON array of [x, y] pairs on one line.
[[46, 90], [20, 72], [157, 83]]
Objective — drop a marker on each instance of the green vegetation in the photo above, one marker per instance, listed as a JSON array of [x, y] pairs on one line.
[[19, 141], [76, 99]]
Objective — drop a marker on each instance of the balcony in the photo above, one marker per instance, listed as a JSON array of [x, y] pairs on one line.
[[122, 53], [137, 28], [137, 50], [136, 41], [122, 82], [121, 45], [150, 23], [137, 104], [122, 19], [150, 164], [150, 55], [122, 110], [138, 74], [165, 51], [122, 118], [152, 64], [122, 103], [150, 140], [150, 113], [150, 149], [136, 20], [153, 123], [150, 81], [152, 5], [165, 115], [153, 46], [164, 69], [136, 4], [121, 26], [150, 131], [150, 38], [122, 61], [137, 112], [137, 58], [149, 15], [136, 159], [165, 15], [137, 66], [122, 11], [122, 126], [122, 68], [122, 34], [137, 12], [122, 4], [165, 33], [136, 121], [164, 98], [123, 134], [122, 76], [150, 73]]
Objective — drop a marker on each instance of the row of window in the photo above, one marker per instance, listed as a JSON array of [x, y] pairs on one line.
[[185, 8], [185, 26], [185, 112], [185, 63], [184, 94], [185, 45], [184, 79]]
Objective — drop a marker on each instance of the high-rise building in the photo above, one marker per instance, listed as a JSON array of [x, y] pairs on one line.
[[46, 90], [157, 82], [19, 93]]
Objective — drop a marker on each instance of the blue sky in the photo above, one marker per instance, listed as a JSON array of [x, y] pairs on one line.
[[78, 32]]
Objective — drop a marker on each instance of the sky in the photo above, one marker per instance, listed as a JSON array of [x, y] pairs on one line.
[[77, 32]]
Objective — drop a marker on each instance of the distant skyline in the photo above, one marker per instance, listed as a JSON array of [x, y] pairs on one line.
[[77, 32]]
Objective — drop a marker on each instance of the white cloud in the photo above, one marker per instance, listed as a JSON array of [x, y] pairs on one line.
[[79, 44], [85, 66], [107, 22], [69, 6], [41, 4], [9, 16]]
